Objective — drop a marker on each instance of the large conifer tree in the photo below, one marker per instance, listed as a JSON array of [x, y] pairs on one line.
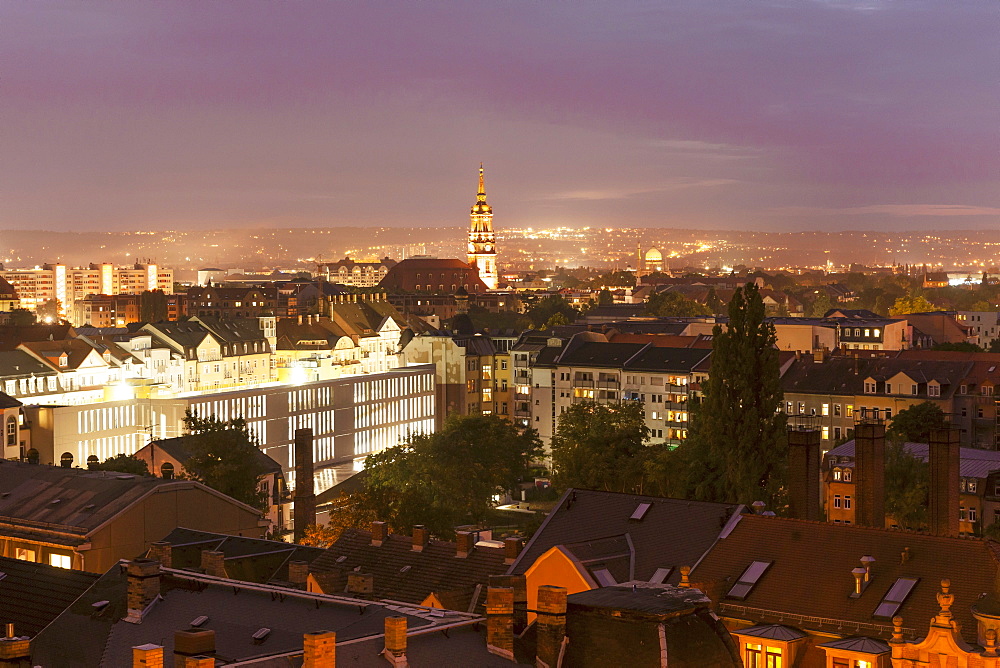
[[737, 450]]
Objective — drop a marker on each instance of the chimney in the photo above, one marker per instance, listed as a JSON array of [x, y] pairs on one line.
[[420, 537], [304, 498], [395, 641], [300, 318], [859, 581], [869, 475], [143, 587], [518, 583], [319, 649], [551, 624], [803, 474], [147, 656], [380, 531], [464, 542], [162, 552], [213, 563], [500, 621], [360, 585], [192, 646], [819, 355], [904, 556], [511, 549], [758, 507], [298, 573], [866, 563], [944, 456], [14, 650]]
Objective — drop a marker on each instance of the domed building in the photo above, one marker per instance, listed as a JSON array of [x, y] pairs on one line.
[[653, 261]]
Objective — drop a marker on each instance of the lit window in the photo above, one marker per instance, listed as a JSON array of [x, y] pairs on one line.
[[59, 560], [850, 410], [826, 433], [24, 554], [750, 576], [826, 409]]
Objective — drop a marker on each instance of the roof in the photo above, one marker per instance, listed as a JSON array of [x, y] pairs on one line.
[[973, 462], [641, 596], [87, 636], [64, 505], [599, 353], [772, 632], [32, 595], [810, 574], [7, 401], [858, 644], [175, 447], [246, 559], [76, 350], [671, 533], [11, 336], [435, 570], [6, 289]]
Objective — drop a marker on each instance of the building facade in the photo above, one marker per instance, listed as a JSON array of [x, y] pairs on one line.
[[482, 240]]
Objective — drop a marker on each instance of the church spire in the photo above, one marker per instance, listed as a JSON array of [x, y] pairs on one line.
[[481, 197]]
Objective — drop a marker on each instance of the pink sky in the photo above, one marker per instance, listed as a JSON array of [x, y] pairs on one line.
[[794, 114]]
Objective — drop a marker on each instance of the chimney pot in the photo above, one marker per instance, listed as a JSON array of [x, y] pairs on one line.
[[147, 656], [298, 572], [859, 577], [866, 563], [420, 537], [380, 531], [758, 507], [464, 542], [319, 649]]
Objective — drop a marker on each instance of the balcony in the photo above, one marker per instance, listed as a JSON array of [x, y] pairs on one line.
[[608, 383], [582, 383]]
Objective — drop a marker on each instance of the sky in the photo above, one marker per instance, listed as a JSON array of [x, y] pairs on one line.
[[744, 114]]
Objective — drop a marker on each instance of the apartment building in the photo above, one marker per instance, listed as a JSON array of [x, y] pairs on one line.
[[356, 274], [67, 284]]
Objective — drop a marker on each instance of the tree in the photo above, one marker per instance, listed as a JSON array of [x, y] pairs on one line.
[[911, 304], [670, 303], [600, 446], [557, 320], [348, 511], [605, 298], [224, 455], [152, 306], [821, 305], [544, 309], [906, 485], [737, 446], [713, 302], [48, 311], [451, 476], [22, 317], [916, 422], [124, 464]]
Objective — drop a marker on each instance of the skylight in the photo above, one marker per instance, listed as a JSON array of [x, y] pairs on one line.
[[895, 597], [641, 511], [661, 575], [604, 577], [750, 576]]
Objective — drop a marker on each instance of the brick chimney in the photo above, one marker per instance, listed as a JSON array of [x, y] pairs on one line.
[[360, 585], [319, 649], [869, 475], [500, 621], [803, 474], [304, 498], [519, 584], [511, 548], [380, 532], [192, 645], [420, 537], [214, 563], [143, 587], [147, 656], [551, 624], [14, 650], [944, 457], [162, 552], [464, 542], [395, 641], [298, 573]]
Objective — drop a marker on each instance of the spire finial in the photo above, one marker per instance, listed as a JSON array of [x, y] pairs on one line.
[[482, 183]]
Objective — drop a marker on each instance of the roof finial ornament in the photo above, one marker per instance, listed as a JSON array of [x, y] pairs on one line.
[[481, 196], [945, 599], [897, 630]]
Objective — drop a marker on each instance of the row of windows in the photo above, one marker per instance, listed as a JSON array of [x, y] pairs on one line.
[[933, 389], [390, 388]]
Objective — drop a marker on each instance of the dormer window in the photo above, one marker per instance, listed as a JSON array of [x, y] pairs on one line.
[[63, 360], [870, 387], [933, 390]]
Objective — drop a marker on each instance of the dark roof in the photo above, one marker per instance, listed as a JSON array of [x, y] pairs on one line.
[[76, 351], [7, 401], [32, 595], [772, 632], [35, 497], [11, 336], [672, 533], [810, 573], [598, 353], [175, 447], [858, 644], [835, 375], [641, 596], [246, 559], [85, 636], [14, 363], [668, 359], [462, 646], [435, 570], [6, 289]]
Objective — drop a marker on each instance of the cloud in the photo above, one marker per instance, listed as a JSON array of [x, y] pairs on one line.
[[900, 210], [625, 193]]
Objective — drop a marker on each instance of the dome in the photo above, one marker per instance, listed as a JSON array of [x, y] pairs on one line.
[[481, 209], [653, 255]]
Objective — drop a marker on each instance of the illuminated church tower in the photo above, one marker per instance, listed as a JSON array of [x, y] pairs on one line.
[[482, 241]]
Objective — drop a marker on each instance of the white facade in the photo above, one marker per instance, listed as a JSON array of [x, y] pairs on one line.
[[67, 284]]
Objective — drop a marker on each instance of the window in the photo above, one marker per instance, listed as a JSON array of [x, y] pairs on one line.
[[849, 410], [746, 582], [986, 390], [836, 433], [60, 560], [933, 391], [604, 577], [963, 389], [661, 575], [847, 502], [847, 476], [772, 657], [836, 501], [11, 431], [24, 554], [913, 389], [972, 514], [869, 388], [640, 511], [895, 597], [836, 410], [825, 410], [826, 433], [752, 656], [888, 388], [970, 485]]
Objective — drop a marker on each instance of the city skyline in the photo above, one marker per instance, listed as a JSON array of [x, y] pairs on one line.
[[712, 115]]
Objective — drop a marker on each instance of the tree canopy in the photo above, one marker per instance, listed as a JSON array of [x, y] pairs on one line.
[[224, 455], [911, 304], [916, 422], [737, 447], [906, 486], [450, 477], [600, 446], [545, 309], [124, 464], [670, 303]]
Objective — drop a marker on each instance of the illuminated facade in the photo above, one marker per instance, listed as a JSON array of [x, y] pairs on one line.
[[67, 284], [482, 240]]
